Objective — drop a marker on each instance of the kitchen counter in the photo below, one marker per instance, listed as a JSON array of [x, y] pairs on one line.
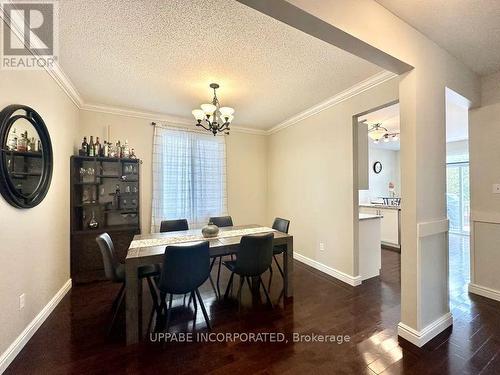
[[369, 245], [369, 216], [374, 205]]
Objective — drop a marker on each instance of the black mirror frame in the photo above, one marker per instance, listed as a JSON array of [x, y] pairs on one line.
[[7, 189], [375, 167]]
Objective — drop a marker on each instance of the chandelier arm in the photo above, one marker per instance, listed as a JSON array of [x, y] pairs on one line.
[[203, 126]]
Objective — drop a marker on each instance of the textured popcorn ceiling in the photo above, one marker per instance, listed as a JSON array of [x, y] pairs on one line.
[[161, 56], [468, 29]]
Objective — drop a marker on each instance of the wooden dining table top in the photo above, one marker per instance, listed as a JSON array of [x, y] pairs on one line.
[[224, 243]]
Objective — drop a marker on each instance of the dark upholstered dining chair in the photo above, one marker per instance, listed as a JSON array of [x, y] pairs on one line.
[[222, 221], [115, 272], [185, 269], [281, 225], [173, 225], [254, 257]]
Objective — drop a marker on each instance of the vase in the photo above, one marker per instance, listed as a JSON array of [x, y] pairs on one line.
[[210, 230], [93, 224]]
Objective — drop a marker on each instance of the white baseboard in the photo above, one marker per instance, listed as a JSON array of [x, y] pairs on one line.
[[348, 279], [13, 350], [420, 338], [484, 291]]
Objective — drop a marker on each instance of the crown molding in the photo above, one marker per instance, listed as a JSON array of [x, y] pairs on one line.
[[358, 88], [159, 117], [65, 83]]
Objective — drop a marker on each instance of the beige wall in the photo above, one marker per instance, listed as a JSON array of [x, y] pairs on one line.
[[35, 242], [246, 163], [311, 178], [484, 156]]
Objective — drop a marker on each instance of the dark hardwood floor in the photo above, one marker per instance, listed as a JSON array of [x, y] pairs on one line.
[[73, 339]]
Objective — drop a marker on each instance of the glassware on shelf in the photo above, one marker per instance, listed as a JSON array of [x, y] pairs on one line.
[[83, 172], [127, 189], [134, 189], [102, 191], [93, 224], [86, 196]]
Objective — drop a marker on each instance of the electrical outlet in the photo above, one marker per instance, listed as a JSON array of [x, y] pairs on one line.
[[321, 246], [496, 189], [22, 301]]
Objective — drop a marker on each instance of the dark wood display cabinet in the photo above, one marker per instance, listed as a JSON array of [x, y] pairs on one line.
[[104, 198]]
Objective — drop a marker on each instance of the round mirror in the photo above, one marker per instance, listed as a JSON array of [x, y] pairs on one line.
[[25, 158], [377, 167]]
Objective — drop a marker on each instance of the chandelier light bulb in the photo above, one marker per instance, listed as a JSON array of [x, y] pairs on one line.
[[375, 141], [395, 138], [209, 109], [386, 138], [226, 111], [198, 114]]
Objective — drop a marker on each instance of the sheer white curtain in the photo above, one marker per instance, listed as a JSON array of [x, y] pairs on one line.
[[189, 176]]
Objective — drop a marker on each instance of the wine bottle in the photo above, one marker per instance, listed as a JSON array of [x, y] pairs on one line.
[[105, 150], [85, 146], [91, 146], [98, 148]]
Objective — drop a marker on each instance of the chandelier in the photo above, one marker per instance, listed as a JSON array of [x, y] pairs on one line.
[[213, 117], [377, 133]]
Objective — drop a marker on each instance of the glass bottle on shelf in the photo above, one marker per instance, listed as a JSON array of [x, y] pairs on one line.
[[22, 143], [118, 149], [126, 150], [97, 149], [91, 146], [12, 141], [85, 147], [31, 145], [132, 154], [105, 150], [111, 150]]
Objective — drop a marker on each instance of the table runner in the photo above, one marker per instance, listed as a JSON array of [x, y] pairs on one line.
[[198, 237]]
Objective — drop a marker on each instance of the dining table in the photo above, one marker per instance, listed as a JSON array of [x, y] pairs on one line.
[[149, 249]]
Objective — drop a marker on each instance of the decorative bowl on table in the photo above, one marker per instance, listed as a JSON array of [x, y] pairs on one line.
[[210, 230]]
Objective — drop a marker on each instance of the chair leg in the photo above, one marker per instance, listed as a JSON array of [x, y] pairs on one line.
[[192, 296], [169, 310], [279, 267], [154, 295], [213, 286], [229, 284], [205, 315], [242, 279], [265, 291], [117, 297], [117, 302], [270, 277], [218, 275], [211, 280]]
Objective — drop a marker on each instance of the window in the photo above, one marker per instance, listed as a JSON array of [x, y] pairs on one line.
[[189, 177]]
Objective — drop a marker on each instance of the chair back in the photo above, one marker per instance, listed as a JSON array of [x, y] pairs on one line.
[[281, 224], [185, 267], [255, 254], [109, 259], [173, 225], [222, 221]]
